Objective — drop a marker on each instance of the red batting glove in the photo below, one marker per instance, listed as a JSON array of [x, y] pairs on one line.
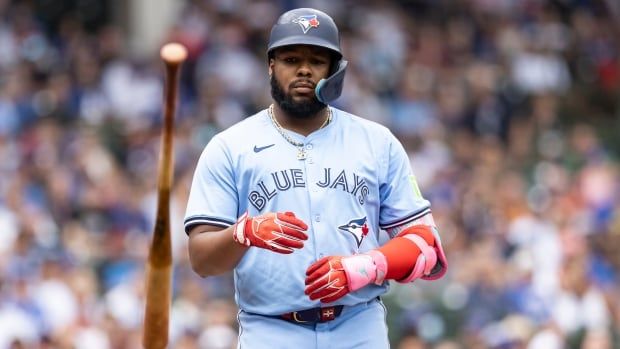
[[331, 278], [326, 280], [279, 232]]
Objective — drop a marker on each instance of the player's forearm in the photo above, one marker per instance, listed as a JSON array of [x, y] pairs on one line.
[[213, 252], [415, 253]]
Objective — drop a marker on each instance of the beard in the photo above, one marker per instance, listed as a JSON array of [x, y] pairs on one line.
[[300, 110]]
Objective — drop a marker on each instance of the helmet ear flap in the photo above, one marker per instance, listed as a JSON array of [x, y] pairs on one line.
[[329, 89], [336, 60]]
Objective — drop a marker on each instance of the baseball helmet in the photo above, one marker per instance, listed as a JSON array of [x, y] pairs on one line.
[[307, 26]]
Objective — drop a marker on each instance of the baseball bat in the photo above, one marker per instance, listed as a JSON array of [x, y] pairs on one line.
[[159, 264]]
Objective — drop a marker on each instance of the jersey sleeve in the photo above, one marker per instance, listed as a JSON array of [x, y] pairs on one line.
[[213, 195], [401, 199]]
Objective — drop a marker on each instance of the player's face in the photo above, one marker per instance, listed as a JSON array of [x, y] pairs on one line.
[[295, 71]]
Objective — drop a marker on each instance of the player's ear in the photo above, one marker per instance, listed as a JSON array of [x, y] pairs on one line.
[[271, 63]]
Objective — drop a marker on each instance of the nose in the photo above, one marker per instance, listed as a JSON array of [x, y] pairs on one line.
[[304, 69]]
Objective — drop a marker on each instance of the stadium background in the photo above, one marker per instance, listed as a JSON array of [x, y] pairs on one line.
[[509, 109]]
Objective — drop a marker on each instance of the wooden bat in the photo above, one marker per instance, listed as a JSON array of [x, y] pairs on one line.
[[159, 266]]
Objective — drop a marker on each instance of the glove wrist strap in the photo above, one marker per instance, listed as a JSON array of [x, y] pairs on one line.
[[239, 230], [381, 266], [360, 270]]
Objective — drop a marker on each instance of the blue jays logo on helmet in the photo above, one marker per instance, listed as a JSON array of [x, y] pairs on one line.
[[306, 22], [358, 228]]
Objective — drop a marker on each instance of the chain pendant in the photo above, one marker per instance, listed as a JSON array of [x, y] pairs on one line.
[[301, 154]]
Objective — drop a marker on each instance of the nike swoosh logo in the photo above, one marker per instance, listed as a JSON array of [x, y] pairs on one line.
[[259, 149]]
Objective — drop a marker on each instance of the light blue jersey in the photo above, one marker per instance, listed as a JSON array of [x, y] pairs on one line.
[[355, 182]]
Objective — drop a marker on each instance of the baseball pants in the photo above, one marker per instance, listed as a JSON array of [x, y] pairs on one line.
[[361, 326]]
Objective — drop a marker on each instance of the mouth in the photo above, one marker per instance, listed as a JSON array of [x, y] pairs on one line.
[[303, 87]]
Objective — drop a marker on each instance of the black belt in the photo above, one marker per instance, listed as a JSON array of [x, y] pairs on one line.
[[314, 315]]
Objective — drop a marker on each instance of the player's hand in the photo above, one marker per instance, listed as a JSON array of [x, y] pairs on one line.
[[279, 232], [326, 280], [331, 278]]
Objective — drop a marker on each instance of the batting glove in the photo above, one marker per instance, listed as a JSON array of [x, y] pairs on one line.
[[331, 278], [279, 232]]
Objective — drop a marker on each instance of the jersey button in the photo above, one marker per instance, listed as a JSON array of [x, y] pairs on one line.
[[309, 146], [317, 217]]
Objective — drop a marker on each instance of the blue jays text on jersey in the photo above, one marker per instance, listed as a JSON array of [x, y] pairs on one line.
[[284, 180], [355, 182]]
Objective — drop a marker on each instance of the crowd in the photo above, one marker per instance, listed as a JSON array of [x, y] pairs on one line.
[[509, 110]]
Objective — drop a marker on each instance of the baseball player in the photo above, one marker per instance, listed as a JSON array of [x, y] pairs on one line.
[[294, 199]]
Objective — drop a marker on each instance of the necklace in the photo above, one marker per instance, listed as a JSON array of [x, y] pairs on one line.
[[301, 151]]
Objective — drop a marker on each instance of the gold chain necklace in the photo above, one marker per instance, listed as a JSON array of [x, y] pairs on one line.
[[301, 152]]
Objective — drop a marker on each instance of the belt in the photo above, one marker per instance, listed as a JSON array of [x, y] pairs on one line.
[[314, 315]]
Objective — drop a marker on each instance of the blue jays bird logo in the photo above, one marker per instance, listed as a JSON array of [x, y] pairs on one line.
[[358, 228], [307, 22]]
